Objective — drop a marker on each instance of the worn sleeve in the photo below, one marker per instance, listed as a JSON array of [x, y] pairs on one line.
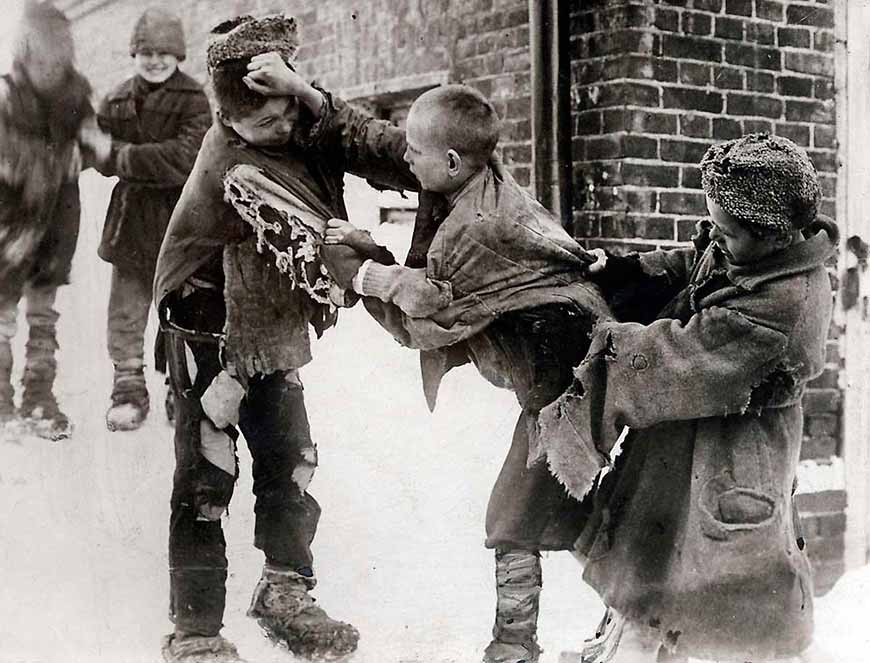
[[410, 289], [641, 375], [161, 164], [676, 264], [370, 148]]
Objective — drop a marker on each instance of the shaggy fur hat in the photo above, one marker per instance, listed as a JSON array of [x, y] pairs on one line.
[[246, 36], [158, 30], [767, 182]]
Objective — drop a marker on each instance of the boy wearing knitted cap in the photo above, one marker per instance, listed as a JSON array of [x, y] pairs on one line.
[[694, 537], [156, 120], [237, 330]]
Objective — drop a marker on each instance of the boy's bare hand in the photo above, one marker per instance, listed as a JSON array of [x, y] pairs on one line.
[[337, 231], [270, 75], [96, 140], [600, 261]]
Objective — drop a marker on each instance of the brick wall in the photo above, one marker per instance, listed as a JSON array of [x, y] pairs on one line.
[[654, 83]]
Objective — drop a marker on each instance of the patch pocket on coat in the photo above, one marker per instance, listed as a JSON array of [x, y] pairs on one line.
[[727, 510]]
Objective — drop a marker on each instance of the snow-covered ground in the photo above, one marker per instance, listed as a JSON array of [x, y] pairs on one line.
[[399, 551]]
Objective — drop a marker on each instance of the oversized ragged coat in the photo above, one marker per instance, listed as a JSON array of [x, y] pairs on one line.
[[40, 162], [694, 532]]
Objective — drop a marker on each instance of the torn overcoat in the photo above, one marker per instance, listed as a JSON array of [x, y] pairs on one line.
[[694, 532]]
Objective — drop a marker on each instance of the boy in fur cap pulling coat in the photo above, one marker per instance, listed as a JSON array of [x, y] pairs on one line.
[[44, 103], [157, 120]]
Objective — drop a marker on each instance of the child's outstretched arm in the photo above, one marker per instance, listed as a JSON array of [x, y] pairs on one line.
[[371, 148], [409, 289], [339, 231], [641, 375]]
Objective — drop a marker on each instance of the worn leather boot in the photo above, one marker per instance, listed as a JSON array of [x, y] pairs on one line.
[[518, 586], [286, 611]]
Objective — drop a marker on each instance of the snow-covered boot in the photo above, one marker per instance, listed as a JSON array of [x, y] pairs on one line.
[[198, 649], [38, 403], [518, 586], [286, 611], [130, 404]]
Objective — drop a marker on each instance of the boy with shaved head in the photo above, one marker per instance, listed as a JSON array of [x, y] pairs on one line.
[[502, 285]]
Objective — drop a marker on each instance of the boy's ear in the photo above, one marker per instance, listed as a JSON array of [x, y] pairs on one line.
[[454, 163], [222, 117], [784, 241]]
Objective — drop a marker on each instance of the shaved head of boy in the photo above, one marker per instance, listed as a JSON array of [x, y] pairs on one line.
[[452, 132]]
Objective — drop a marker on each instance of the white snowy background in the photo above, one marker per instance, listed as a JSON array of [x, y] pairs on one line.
[[399, 552]]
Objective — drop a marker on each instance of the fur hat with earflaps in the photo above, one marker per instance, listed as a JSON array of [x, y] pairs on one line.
[[767, 182], [245, 36], [160, 31]]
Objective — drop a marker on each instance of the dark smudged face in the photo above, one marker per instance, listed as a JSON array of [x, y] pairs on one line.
[[735, 242], [270, 125]]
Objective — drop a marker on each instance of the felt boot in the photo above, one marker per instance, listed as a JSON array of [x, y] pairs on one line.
[[130, 404], [38, 403], [287, 613], [199, 649], [518, 586]]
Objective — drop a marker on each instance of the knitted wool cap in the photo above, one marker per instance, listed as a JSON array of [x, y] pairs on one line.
[[766, 181], [158, 30], [246, 36]]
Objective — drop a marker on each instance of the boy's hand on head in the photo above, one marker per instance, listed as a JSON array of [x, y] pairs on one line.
[[270, 75], [338, 231]]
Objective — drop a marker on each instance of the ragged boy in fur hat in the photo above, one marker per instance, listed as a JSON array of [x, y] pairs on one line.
[[761, 192]]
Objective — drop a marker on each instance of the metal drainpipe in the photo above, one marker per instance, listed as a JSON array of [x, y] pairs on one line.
[[549, 43]]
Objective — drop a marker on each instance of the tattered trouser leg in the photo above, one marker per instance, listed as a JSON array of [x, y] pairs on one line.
[[197, 549], [528, 508], [275, 425], [273, 419], [40, 367], [8, 329], [518, 587]]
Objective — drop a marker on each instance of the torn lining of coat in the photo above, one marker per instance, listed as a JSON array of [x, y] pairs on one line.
[[776, 388], [304, 471], [303, 246]]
